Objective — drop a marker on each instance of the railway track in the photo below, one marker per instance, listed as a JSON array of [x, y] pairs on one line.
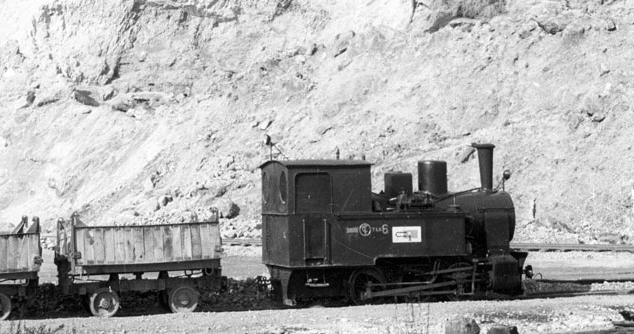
[[515, 245], [572, 247]]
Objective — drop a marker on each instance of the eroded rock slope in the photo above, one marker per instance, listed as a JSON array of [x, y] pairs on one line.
[[145, 111]]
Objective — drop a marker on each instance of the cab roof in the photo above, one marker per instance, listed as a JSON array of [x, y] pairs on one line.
[[319, 163]]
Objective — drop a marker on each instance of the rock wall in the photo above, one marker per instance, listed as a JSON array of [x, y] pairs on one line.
[[146, 111]]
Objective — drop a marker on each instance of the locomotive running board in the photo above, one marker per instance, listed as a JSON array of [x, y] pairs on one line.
[[407, 291]]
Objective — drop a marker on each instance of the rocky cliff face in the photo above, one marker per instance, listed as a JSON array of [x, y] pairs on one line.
[[141, 111]]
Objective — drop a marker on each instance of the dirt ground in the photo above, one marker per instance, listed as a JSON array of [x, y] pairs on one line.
[[560, 315], [582, 265]]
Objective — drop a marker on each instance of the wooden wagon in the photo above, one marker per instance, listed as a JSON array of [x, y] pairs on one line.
[[20, 260], [105, 253]]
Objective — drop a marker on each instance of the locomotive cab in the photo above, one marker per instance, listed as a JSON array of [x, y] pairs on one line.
[[299, 199]]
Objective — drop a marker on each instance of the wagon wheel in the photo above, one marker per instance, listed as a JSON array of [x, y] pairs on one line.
[[359, 283], [183, 299], [104, 303], [5, 306], [462, 279], [163, 299]]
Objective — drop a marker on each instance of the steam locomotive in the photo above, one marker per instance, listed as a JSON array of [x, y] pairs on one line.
[[325, 234]]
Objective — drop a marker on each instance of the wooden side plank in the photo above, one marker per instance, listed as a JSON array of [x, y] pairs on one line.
[[23, 253], [177, 245], [79, 246], [18, 251], [148, 243], [26, 251], [168, 243], [4, 257], [35, 250], [119, 241], [186, 238], [89, 246], [215, 239], [12, 254], [129, 245], [138, 247], [109, 245], [195, 242], [157, 233], [98, 246], [205, 243]]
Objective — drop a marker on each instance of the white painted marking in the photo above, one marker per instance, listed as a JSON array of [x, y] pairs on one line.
[[405, 234]]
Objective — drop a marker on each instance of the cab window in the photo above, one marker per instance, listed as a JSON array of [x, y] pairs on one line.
[[283, 187], [313, 193]]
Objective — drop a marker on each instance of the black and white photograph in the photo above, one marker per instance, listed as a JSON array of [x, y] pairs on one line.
[[317, 167]]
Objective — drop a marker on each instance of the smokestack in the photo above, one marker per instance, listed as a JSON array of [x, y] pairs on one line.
[[485, 159]]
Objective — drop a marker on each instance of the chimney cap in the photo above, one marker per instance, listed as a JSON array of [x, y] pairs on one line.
[[476, 145]]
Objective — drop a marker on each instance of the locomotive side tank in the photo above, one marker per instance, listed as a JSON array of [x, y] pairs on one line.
[[325, 234]]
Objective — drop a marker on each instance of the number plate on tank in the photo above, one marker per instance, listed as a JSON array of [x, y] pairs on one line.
[[403, 234]]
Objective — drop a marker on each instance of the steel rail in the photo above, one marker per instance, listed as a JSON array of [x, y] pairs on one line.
[[571, 247], [241, 242]]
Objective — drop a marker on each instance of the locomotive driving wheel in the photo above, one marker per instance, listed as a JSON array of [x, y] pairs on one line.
[[5, 306], [361, 281], [183, 299], [104, 303]]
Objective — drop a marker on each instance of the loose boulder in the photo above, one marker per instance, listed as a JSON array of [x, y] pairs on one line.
[[84, 97], [462, 325], [502, 330], [433, 15], [226, 208]]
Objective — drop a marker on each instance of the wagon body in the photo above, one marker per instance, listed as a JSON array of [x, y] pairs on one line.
[[20, 256], [20, 260], [108, 251], [20, 252], [97, 250]]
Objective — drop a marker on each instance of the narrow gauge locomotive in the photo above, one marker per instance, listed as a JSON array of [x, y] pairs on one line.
[[325, 234]]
